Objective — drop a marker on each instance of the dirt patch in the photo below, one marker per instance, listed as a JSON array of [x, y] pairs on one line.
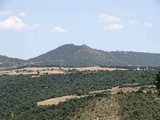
[[115, 90], [98, 91], [55, 101]]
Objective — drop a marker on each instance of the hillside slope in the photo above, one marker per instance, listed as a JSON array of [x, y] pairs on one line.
[[72, 55], [9, 63], [138, 58]]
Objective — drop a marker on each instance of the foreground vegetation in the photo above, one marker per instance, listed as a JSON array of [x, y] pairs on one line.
[[20, 93], [139, 106], [129, 106]]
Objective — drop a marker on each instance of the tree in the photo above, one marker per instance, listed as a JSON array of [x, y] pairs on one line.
[[157, 83]]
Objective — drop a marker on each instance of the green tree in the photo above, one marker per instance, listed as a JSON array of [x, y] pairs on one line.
[[158, 82]]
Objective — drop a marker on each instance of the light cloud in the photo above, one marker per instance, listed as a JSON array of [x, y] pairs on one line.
[[15, 23], [108, 18], [147, 24], [22, 14], [133, 22], [114, 27], [12, 23], [58, 30]]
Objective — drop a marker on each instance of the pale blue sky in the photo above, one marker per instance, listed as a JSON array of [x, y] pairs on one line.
[[29, 28]]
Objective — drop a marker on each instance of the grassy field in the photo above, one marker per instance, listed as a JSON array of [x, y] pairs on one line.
[[55, 101], [37, 71]]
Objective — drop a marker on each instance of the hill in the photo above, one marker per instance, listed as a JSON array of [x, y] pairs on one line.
[[72, 55], [10, 63], [138, 58]]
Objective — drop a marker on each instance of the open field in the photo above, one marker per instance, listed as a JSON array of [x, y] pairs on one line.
[[36, 71], [55, 101], [114, 90], [95, 68]]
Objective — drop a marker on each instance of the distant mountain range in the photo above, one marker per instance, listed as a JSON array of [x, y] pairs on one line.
[[78, 56]]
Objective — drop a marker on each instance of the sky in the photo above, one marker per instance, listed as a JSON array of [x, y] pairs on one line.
[[29, 28]]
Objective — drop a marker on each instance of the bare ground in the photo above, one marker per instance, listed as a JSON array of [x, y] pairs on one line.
[[55, 101], [114, 90]]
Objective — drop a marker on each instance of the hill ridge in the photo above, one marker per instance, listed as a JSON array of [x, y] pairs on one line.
[[83, 55], [71, 55]]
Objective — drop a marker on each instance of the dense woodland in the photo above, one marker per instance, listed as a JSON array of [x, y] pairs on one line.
[[139, 106], [19, 94]]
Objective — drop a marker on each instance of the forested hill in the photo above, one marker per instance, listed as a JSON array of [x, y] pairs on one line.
[[9, 63], [72, 55], [138, 58]]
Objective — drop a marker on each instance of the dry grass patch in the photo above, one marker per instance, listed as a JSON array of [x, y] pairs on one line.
[[115, 90], [52, 70], [33, 71], [55, 101], [96, 68], [98, 91]]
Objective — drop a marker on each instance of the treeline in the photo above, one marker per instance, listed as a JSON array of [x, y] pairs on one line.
[[19, 92]]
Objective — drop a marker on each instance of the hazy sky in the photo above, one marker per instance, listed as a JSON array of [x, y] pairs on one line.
[[29, 28]]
